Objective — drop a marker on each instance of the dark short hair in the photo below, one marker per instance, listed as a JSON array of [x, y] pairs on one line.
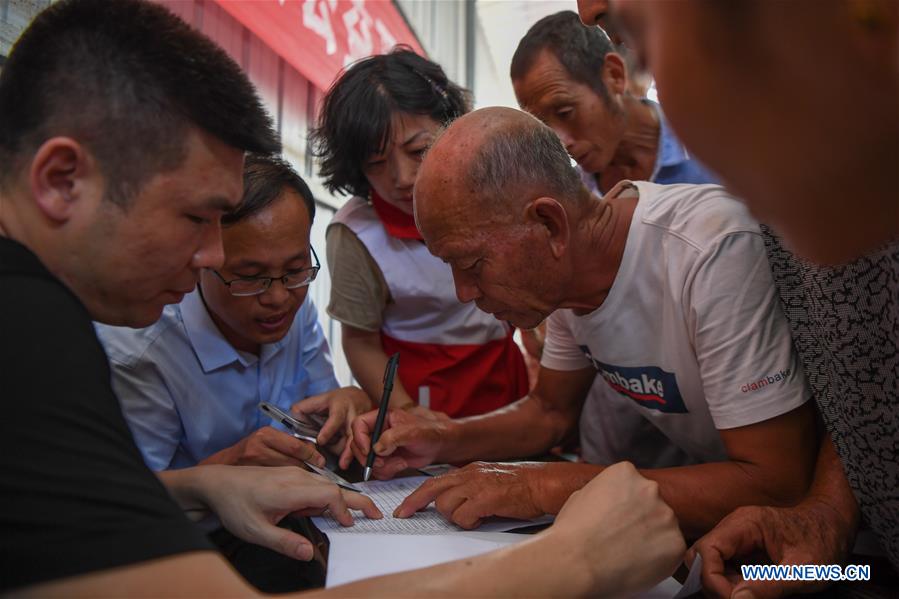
[[265, 178], [355, 117], [580, 49], [127, 79]]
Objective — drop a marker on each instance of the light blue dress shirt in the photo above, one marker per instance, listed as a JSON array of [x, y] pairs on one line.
[[673, 163], [187, 393]]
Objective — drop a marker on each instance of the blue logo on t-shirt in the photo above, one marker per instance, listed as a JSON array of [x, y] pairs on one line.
[[649, 386]]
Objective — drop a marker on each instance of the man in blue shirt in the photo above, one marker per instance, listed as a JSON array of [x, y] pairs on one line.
[[569, 76], [190, 385]]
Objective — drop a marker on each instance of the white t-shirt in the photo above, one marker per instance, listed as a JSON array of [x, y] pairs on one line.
[[692, 330]]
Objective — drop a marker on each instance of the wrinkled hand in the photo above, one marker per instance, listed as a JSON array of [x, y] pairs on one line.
[[809, 533], [477, 491], [250, 501], [407, 441], [621, 531], [268, 446], [342, 406]]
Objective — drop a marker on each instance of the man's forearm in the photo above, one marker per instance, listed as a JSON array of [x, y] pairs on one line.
[[185, 486], [830, 491], [519, 430], [703, 494], [700, 495]]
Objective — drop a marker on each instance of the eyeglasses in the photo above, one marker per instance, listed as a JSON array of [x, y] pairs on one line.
[[294, 279]]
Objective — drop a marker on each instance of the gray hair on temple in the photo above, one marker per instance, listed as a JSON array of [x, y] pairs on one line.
[[524, 159]]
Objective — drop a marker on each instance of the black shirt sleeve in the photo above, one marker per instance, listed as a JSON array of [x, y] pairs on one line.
[[77, 496]]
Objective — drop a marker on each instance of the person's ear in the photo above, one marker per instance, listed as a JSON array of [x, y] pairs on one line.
[[551, 216], [58, 177], [614, 74]]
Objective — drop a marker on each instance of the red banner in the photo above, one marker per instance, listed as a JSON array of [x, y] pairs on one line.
[[320, 37]]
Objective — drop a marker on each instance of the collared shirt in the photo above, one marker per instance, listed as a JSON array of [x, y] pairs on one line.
[[187, 393], [673, 163]]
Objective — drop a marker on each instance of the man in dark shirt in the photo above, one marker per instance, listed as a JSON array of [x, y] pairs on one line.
[[122, 140], [115, 171]]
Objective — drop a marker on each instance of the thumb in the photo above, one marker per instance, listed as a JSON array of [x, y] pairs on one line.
[[284, 541]]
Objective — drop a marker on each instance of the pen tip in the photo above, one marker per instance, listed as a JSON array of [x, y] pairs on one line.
[[366, 474]]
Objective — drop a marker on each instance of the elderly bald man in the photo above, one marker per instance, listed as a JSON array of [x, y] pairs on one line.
[[664, 291]]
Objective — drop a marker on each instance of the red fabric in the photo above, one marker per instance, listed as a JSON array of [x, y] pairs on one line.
[[464, 380], [396, 222], [319, 37]]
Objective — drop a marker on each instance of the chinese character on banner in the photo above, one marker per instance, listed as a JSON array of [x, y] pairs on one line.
[[320, 37]]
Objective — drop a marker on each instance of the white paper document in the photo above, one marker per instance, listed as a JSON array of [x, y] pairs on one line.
[[353, 557], [376, 547], [388, 494]]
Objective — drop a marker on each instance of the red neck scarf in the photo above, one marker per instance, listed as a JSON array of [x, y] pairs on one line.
[[398, 223]]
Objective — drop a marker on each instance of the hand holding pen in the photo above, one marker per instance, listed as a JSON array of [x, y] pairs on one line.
[[389, 375], [407, 440]]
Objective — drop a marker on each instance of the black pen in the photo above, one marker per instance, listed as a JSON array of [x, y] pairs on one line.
[[389, 374]]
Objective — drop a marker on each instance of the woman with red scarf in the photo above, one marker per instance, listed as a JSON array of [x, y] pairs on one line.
[[389, 293]]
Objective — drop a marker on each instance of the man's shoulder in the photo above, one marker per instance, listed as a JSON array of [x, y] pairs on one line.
[[21, 268], [34, 302], [16, 259], [698, 215], [128, 347]]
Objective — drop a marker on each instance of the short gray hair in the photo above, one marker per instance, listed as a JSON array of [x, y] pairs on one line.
[[530, 159]]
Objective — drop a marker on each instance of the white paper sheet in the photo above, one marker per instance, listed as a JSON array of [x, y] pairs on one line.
[[388, 494], [354, 557], [376, 547]]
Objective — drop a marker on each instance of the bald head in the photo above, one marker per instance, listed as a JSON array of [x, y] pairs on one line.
[[491, 162], [492, 200]]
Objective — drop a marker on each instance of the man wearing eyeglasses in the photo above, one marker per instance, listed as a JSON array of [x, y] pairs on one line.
[[191, 384]]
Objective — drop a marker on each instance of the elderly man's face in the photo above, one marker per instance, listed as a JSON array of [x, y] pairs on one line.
[[501, 266], [585, 122]]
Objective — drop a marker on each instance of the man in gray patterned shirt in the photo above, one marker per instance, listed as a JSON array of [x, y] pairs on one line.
[[823, 172]]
